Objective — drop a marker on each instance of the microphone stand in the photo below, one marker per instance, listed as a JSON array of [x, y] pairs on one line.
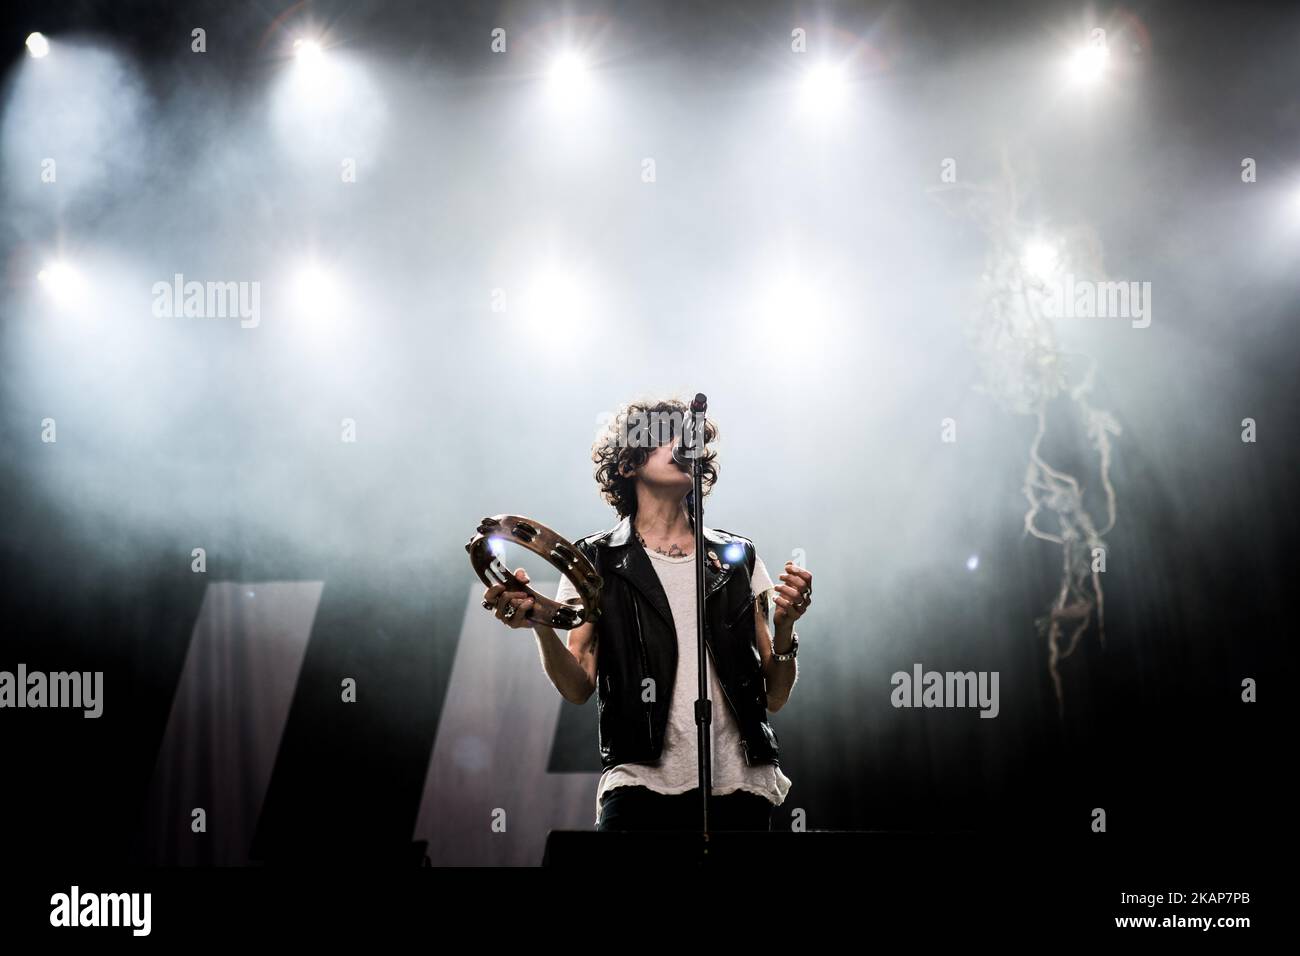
[[703, 706]]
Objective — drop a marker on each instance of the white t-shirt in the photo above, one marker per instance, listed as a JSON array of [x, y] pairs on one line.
[[678, 768]]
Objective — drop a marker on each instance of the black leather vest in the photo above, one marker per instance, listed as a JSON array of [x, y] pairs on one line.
[[636, 639]]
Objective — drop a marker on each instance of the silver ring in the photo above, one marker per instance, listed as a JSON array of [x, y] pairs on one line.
[[509, 614]]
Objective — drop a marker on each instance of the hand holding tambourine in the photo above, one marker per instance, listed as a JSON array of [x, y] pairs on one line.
[[508, 595], [513, 607]]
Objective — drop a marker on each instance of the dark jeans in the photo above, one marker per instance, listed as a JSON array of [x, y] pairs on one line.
[[639, 808]]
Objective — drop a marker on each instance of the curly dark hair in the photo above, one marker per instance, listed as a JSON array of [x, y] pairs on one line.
[[612, 451]]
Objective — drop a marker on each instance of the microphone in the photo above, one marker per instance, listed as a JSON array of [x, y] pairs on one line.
[[684, 451]]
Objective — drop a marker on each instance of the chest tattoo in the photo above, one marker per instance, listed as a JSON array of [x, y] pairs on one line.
[[674, 551]]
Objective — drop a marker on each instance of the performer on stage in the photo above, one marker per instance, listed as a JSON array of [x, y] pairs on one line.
[[640, 654]]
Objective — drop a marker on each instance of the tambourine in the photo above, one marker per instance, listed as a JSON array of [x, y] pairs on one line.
[[539, 539]]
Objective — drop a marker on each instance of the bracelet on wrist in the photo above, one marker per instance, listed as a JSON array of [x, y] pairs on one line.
[[790, 654]]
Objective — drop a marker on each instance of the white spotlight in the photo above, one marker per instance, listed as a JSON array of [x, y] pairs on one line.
[[315, 293], [326, 104], [1040, 260], [307, 51], [556, 303], [824, 88], [309, 55], [568, 77], [794, 309], [62, 282], [788, 299], [37, 45], [1086, 64]]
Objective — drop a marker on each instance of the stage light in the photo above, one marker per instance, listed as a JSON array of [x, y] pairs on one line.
[[309, 58], [89, 102], [326, 106], [787, 298], [556, 302], [568, 78], [1087, 63], [62, 283], [37, 45], [793, 309], [1040, 260], [824, 88], [973, 562], [315, 293], [307, 52]]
